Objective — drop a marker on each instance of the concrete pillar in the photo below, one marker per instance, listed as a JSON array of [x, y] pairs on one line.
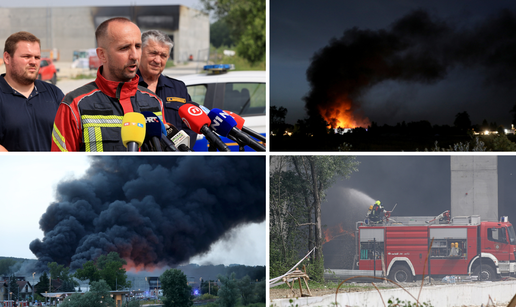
[[474, 186]]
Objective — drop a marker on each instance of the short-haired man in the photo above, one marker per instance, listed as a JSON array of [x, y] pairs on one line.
[[90, 117], [27, 105], [156, 48]]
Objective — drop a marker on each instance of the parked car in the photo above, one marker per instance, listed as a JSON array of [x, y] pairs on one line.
[[47, 71], [94, 62], [241, 92]]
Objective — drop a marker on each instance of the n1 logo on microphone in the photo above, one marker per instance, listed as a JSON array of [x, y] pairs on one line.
[[221, 122]]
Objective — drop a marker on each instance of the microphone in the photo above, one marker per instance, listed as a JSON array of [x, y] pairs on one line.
[[133, 130], [240, 125], [225, 125], [180, 138], [153, 130], [165, 142], [199, 122]]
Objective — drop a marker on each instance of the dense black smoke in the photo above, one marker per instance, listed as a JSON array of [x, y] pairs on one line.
[[418, 48], [153, 211]]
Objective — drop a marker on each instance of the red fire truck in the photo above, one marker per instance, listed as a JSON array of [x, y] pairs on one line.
[[398, 247]]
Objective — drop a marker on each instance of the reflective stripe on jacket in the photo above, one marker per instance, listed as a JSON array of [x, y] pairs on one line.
[[90, 117]]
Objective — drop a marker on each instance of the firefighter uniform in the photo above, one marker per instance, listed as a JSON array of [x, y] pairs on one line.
[[90, 117], [26, 123], [174, 94]]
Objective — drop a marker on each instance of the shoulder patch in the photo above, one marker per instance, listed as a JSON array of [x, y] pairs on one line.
[[178, 99], [81, 91]]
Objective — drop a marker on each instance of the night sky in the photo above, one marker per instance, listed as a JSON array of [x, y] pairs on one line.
[[419, 185], [410, 60]]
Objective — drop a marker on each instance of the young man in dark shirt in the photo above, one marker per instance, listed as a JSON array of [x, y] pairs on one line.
[[27, 106]]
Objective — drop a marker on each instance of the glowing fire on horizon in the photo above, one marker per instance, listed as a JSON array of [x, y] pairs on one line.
[[340, 114], [336, 231], [132, 266]]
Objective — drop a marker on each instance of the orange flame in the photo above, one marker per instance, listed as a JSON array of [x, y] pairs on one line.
[[341, 114], [131, 266], [336, 231]]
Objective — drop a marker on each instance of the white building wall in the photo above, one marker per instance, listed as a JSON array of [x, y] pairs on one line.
[[474, 186]]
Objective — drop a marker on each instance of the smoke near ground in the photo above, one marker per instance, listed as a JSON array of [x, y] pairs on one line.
[[418, 48], [153, 211]]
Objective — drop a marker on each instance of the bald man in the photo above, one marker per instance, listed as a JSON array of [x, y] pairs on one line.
[[90, 117]]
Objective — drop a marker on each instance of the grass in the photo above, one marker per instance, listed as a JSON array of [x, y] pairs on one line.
[[217, 57], [83, 76]]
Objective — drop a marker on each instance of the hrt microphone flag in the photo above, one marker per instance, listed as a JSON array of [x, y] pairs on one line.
[[133, 130], [153, 133]]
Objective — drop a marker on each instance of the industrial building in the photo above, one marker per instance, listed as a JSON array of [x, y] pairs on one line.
[[63, 30]]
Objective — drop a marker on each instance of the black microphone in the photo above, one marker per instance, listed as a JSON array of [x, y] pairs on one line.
[[180, 138], [153, 131], [225, 125]]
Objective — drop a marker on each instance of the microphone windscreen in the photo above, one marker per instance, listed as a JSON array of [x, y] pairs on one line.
[[221, 122], [153, 125], [239, 119], [193, 117], [133, 128]]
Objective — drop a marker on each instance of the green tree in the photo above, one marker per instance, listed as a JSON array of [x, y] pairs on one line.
[[246, 21], [246, 289], [6, 266], [176, 290], [62, 273], [108, 267], [298, 185], [13, 288], [260, 290], [462, 121], [210, 287], [89, 271], [287, 213], [97, 296], [228, 292], [43, 284], [220, 34]]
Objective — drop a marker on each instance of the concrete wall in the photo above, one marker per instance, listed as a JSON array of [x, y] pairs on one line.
[[451, 295], [73, 28], [193, 37], [474, 186]]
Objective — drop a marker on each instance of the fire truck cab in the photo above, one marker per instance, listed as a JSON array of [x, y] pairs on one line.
[[406, 247]]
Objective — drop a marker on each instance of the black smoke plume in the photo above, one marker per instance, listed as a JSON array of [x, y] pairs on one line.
[[417, 48], [153, 211]]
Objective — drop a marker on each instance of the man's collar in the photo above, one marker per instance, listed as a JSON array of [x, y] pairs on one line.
[[111, 88], [6, 88], [162, 80]]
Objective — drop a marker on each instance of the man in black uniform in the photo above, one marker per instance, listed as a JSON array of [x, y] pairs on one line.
[[27, 106], [156, 47]]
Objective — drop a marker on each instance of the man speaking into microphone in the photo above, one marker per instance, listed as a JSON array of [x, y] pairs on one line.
[[90, 117]]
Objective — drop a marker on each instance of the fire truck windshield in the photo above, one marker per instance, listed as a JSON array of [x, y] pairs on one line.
[[512, 235]]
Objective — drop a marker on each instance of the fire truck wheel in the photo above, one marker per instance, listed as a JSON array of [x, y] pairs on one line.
[[400, 273], [488, 273]]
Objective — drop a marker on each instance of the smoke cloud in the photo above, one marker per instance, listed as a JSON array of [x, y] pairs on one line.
[[418, 48], [153, 211]]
